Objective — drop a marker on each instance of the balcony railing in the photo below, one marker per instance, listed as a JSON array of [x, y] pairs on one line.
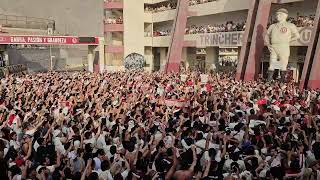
[[26, 22], [113, 28], [114, 49], [113, 4]]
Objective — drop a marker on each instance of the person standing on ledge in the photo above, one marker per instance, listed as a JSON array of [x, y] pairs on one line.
[[278, 39]]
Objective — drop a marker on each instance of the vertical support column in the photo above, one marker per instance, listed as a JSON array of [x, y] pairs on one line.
[[163, 56], [6, 58], [184, 56], [246, 39], [212, 55], [314, 78], [177, 37], [133, 24], [101, 54], [293, 59], [257, 43], [192, 56], [312, 58], [90, 58]]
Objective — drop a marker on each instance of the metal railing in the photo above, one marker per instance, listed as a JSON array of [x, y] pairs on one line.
[[13, 21]]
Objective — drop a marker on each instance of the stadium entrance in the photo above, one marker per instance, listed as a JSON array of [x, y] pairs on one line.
[[44, 53]]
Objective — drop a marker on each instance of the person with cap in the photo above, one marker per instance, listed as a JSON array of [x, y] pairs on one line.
[[278, 39]]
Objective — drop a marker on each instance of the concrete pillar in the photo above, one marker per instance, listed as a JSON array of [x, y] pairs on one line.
[[294, 67], [100, 48], [314, 78], [90, 58], [293, 59], [163, 58], [6, 58], [133, 24], [212, 58], [151, 62], [177, 38], [246, 40], [257, 43], [192, 53], [184, 57], [310, 76]]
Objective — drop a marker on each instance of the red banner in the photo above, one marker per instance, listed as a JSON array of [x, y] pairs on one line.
[[54, 40]]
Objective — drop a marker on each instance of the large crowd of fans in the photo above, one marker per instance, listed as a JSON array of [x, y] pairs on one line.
[[167, 5], [303, 21], [139, 125], [300, 20], [196, 2], [230, 26], [164, 6], [228, 61]]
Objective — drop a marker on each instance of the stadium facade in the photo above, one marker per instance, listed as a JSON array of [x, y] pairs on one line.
[[156, 29], [201, 50]]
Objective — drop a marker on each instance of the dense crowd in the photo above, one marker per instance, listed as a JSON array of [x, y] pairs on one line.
[[114, 20], [300, 20], [228, 61], [138, 125], [303, 21], [164, 6], [167, 5], [196, 2], [230, 26]]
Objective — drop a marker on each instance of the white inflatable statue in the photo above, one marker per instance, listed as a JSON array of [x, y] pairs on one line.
[[278, 39]]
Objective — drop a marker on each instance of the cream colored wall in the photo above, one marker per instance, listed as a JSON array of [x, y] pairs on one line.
[[220, 6], [100, 49], [133, 15]]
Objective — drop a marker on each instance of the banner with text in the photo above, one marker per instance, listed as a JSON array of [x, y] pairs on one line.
[[225, 39], [54, 40], [220, 39]]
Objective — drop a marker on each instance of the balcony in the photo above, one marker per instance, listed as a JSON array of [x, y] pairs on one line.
[[154, 1], [113, 28], [114, 49], [113, 4], [225, 39], [286, 1]]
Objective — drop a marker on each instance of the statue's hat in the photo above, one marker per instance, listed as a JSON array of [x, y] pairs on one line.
[[282, 10]]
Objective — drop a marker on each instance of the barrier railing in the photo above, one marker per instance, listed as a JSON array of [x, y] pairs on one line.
[[13, 69]]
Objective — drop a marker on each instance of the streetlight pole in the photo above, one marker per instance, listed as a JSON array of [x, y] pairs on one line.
[[51, 64]]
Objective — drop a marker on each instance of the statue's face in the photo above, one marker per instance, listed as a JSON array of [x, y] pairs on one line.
[[281, 17]]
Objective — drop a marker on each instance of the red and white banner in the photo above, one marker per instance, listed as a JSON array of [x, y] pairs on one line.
[[54, 40], [176, 103]]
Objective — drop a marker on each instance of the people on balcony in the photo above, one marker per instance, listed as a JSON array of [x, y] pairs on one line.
[[114, 20], [300, 20]]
